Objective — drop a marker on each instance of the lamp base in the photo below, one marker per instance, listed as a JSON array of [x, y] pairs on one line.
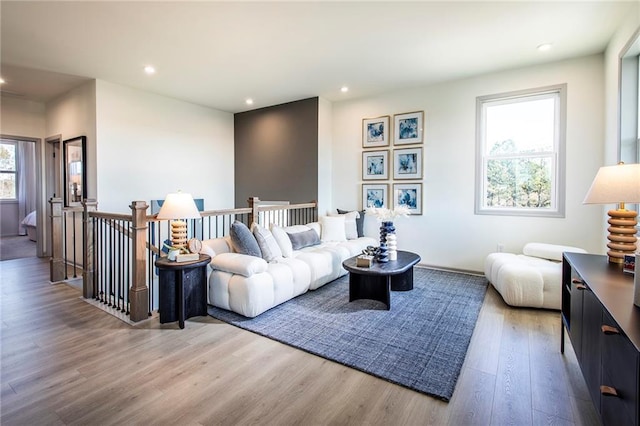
[[622, 234], [179, 234]]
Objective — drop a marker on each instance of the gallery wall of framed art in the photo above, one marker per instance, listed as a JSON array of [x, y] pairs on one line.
[[403, 162]]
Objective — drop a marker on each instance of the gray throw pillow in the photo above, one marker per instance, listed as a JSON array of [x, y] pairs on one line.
[[359, 221], [304, 239], [243, 240]]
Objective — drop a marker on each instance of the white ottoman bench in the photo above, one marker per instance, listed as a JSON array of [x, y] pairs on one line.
[[532, 279]]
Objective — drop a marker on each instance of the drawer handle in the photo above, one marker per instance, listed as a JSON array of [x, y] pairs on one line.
[[608, 391], [577, 281], [607, 329], [581, 287]]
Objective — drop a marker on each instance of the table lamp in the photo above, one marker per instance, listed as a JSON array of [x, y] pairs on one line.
[[618, 184], [178, 206]]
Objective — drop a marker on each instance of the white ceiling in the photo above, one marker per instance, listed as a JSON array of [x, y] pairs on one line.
[[217, 54]]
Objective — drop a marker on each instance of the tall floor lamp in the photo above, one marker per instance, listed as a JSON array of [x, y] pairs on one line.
[[618, 184], [178, 206]]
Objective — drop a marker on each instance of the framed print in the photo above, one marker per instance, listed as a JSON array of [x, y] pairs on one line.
[[75, 176], [408, 128], [375, 132], [408, 194], [375, 195], [407, 163], [375, 165]]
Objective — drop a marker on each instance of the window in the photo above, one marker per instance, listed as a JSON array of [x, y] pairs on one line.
[[520, 153], [8, 171]]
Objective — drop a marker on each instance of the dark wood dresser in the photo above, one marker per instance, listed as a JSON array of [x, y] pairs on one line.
[[604, 327]]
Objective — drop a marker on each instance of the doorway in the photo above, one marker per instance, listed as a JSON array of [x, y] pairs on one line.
[[20, 197]]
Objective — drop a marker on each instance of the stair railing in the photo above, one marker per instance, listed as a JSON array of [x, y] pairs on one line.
[[118, 251]]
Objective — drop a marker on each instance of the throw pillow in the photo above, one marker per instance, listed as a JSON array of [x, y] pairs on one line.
[[359, 221], [243, 241], [282, 238], [350, 226], [267, 243], [333, 228], [304, 239]]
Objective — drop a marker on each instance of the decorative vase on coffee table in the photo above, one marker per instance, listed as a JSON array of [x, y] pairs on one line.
[[387, 252], [392, 245]]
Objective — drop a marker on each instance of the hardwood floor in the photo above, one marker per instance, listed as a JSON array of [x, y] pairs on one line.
[[67, 362]]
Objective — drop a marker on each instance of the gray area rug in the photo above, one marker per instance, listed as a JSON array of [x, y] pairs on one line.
[[420, 343]]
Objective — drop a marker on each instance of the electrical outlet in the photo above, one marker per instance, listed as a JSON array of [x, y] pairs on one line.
[[500, 247]]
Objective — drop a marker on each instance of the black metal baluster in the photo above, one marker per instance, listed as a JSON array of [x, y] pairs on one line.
[[103, 258], [114, 262], [75, 261], [98, 258], [121, 270], [64, 244]]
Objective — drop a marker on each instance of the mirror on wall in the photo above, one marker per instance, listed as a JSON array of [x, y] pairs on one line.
[[75, 177], [629, 143]]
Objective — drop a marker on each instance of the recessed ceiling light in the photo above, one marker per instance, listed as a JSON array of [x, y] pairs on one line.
[[2, 80], [344, 89], [249, 101], [149, 69], [544, 47]]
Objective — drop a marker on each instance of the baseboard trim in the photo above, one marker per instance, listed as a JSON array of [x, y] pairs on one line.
[[457, 270]]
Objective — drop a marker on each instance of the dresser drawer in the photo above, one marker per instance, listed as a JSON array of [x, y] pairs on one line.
[[620, 372]]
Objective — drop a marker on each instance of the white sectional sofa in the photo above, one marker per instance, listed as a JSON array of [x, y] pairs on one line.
[[249, 285]]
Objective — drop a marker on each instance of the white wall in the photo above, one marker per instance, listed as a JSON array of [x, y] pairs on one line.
[[612, 81], [71, 115], [449, 234], [26, 119], [150, 145], [612, 103], [22, 118]]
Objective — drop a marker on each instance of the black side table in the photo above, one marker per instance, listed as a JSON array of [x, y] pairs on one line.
[[182, 289]]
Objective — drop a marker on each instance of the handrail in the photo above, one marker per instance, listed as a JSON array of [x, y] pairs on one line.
[[111, 216], [243, 210], [287, 207]]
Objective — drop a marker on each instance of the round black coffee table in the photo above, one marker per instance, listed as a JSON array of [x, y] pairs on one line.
[[377, 281]]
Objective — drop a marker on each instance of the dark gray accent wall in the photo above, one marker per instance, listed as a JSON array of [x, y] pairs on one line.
[[276, 153]]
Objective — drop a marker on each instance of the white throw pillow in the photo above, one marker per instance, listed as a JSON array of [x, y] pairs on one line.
[[350, 227], [333, 228], [283, 240], [267, 242]]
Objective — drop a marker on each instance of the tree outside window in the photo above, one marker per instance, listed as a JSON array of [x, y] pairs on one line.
[[8, 171]]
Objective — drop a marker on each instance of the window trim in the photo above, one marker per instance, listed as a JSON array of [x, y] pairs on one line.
[[559, 161]]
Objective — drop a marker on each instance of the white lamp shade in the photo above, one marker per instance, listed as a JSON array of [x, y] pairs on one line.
[[179, 205], [615, 184]]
